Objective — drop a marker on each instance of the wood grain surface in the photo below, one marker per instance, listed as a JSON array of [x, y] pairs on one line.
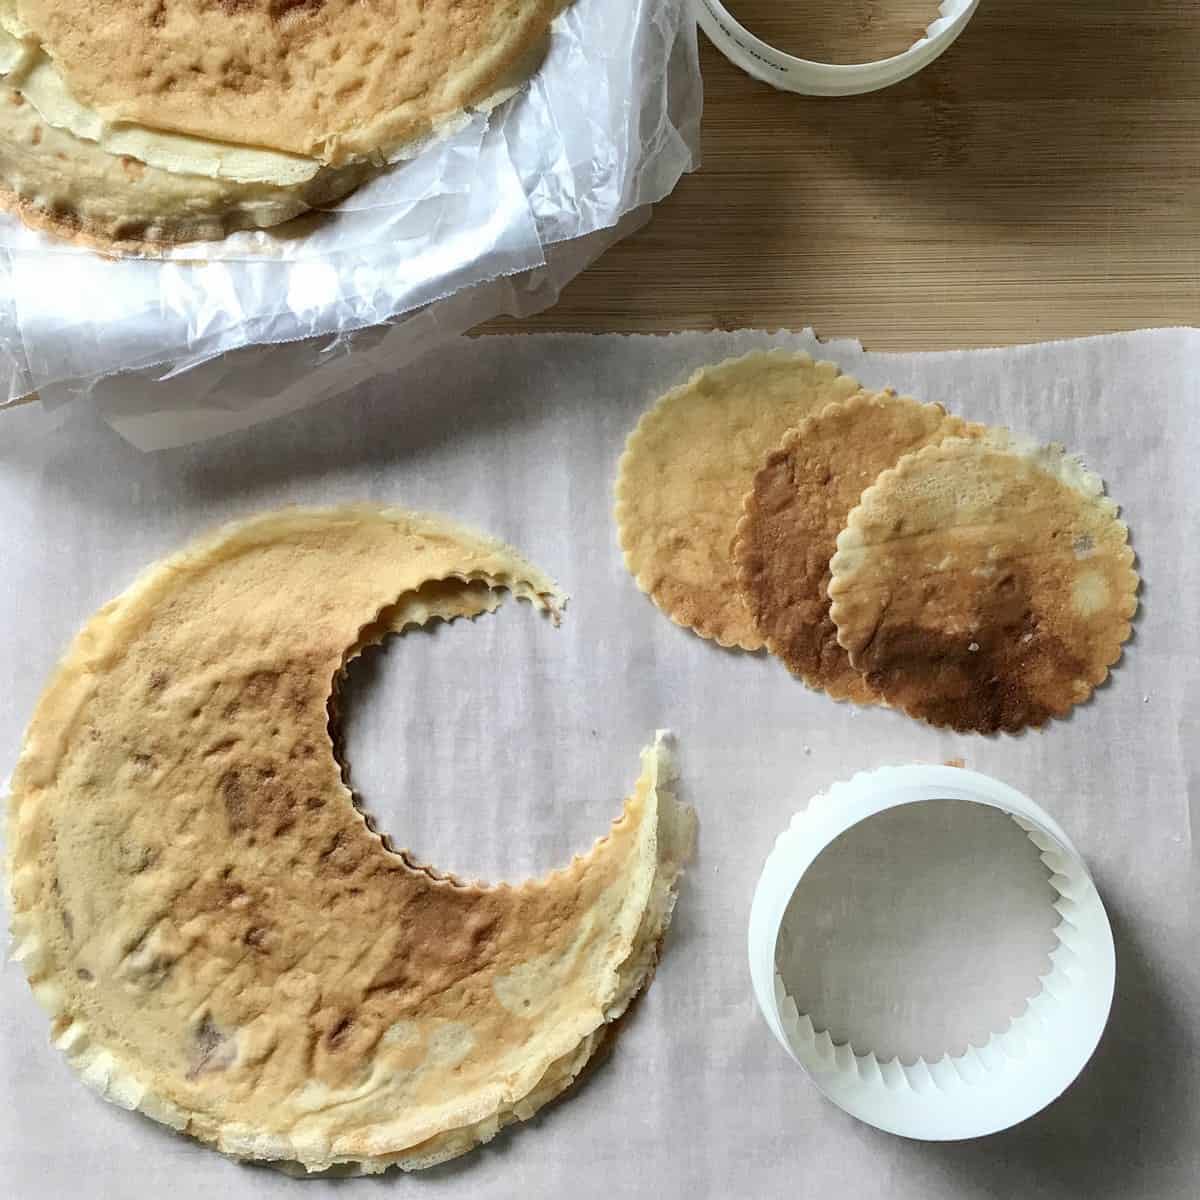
[[1040, 180]]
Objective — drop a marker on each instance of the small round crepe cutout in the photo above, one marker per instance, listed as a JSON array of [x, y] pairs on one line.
[[984, 585], [687, 466], [798, 505], [220, 937]]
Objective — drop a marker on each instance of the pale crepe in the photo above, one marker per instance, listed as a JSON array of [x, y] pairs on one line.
[[687, 466], [220, 937], [984, 585]]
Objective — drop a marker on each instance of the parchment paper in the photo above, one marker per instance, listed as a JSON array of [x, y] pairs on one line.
[[500, 747]]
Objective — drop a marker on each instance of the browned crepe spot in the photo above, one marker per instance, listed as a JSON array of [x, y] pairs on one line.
[[687, 466], [798, 505], [984, 587]]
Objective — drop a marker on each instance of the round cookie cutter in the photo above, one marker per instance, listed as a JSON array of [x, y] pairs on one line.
[[790, 74], [990, 1087]]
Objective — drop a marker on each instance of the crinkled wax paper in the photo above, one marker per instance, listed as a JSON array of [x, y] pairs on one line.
[[605, 128]]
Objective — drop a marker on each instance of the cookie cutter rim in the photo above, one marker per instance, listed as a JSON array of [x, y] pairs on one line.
[[990, 1087], [806, 77]]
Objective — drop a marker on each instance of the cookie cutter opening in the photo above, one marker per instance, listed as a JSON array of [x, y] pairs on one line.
[[767, 63], [1015, 1073]]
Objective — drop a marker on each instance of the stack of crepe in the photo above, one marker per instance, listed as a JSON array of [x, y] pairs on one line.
[[141, 123]]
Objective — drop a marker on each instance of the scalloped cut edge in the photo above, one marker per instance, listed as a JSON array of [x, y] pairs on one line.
[[103, 1072], [653, 416], [790, 439], [671, 842], [1053, 459], [1025, 1031]]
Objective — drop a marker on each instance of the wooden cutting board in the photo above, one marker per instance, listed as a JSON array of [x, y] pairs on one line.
[[1040, 180]]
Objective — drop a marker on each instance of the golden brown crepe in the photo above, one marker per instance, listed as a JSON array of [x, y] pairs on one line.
[[984, 585], [222, 940], [798, 505], [259, 109], [687, 466]]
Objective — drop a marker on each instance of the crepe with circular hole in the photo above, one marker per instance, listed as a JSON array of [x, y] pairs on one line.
[[984, 585], [220, 937], [793, 514], [687, 466]]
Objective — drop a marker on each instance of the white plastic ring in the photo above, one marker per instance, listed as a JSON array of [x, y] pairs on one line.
[[790, 74], [1016, 1073]]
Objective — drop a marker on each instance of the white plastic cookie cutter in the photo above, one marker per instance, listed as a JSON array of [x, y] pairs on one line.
[[790, 74], [990, 1087]]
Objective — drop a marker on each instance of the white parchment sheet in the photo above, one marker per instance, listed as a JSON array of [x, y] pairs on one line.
[[500, 747]]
